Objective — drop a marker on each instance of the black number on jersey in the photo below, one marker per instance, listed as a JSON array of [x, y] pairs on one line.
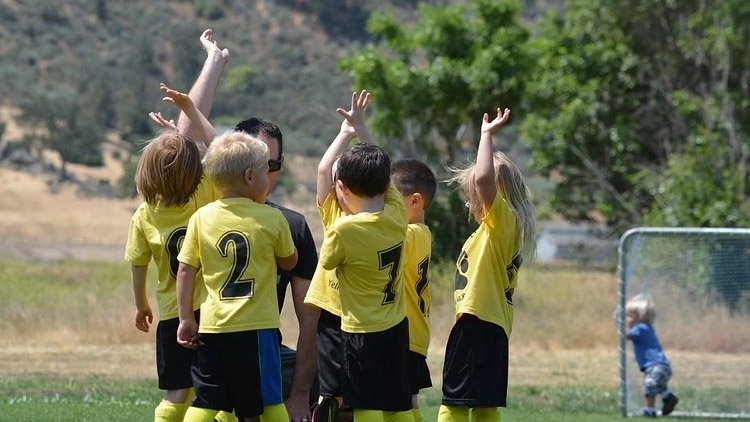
[[462, 266], [173, 245], [422, 283], [391, 259], [512, 271], [235, 287]]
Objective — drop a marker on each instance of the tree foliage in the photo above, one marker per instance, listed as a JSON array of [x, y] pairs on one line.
[[640, 111], [439, 74]]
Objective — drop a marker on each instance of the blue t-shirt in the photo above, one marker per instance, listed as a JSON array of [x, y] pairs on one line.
[[646, 346]]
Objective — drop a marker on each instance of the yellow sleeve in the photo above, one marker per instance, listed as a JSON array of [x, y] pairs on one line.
[[284, 243], [330, 210], [190, 251], [137, 250], [332, 251], [500, 220]]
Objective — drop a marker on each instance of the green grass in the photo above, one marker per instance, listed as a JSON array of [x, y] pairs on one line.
[[42, 397]]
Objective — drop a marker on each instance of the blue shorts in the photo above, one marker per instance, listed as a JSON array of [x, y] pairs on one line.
[[269, 355], [655, 379]]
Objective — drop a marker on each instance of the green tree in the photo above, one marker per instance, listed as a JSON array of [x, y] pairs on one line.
[[638, 106], [432, 79], [58, 123], [436, 76]]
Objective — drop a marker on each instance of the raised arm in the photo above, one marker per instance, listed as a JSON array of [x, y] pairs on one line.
[[484, 172], [355, 116], [202, 129], [202, 92]]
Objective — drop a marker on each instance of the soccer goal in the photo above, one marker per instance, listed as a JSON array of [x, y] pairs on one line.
[[700, 282]]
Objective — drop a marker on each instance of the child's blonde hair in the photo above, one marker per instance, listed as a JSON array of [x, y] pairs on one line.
[[643, 306], [169, 170], [511, 186], [230, 155]]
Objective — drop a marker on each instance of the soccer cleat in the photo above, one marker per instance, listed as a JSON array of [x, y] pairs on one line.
[[669, 403], [326, 410], [649, 413]]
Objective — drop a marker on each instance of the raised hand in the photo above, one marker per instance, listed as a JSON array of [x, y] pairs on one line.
[[157, 118], [356, 114], [177, 98], [492, 126], [211, 47]]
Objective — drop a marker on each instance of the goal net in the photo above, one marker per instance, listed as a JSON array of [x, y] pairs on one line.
[[699, 280]]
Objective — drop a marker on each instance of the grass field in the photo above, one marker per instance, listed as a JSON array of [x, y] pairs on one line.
[[69, 351]]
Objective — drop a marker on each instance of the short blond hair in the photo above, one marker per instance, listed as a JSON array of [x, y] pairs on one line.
[[230, 155], [643, 306], [169, 170]]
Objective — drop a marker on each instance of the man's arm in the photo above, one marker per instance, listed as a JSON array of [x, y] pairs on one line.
[[298, 403], [204, 88], [202, 128]]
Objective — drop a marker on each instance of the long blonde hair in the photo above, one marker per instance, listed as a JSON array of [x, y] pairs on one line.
[[511, 186]]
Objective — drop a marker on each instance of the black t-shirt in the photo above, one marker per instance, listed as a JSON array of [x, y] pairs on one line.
[[306, 251]]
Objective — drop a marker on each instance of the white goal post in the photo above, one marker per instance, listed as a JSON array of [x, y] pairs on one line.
[[699, 279]]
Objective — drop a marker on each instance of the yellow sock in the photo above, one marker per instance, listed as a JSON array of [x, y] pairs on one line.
[[403, 416], [223, 416], [485, 414], [417, 415], [274, 413], [453, 413], [366, 415], [167, 411], [197, 414]]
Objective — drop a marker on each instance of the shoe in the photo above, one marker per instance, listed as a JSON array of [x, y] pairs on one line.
[[326, 411], [669, 403], [649, 413]]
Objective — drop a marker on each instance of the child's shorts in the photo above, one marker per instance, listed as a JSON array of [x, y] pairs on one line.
[[270, 366], [374, 369], [655, 379], [173, 361], [475, 372], [329, 354], [419, 372], [226, 373]]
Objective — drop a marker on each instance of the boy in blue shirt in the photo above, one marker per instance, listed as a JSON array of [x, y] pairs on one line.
[[640, 314]]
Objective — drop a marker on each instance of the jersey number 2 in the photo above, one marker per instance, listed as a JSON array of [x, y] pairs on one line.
[[235, 287], [391, 259]]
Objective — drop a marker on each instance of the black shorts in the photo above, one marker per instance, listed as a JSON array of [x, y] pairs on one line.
[[419, 372], [329, 354], [173, 361], [374, 369], [226, 373], [475, 372]]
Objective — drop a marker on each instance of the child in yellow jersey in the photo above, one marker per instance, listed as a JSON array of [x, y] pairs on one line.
[[475, 372], [416, 183], [236, 242], [170, 179], [365, 247]]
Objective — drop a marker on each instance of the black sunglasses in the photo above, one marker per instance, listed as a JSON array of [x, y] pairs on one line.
[[275, 165]]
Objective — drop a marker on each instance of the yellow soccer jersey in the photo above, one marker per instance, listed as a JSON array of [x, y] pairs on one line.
[[235, 241], [158, 232], [324, 286], [367, 249], [416, 259], [487, 268]]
